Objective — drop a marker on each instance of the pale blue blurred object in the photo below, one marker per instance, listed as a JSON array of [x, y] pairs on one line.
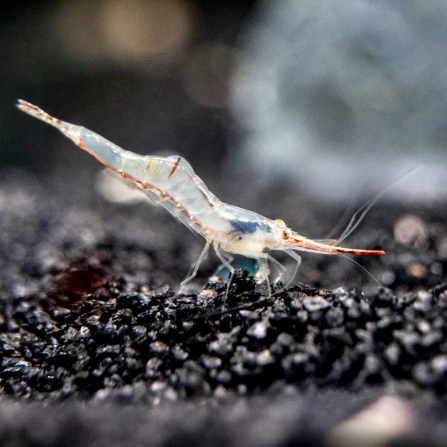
[[338, 95], [248, 264]]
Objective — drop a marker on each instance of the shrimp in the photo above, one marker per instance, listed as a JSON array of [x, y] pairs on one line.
[[172, 183]]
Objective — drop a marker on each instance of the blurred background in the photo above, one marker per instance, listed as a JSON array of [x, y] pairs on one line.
[[320, 99], [340, 94], [151, 76], [289, 108]]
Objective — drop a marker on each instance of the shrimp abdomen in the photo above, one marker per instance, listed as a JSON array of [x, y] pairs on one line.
[[170, 181]]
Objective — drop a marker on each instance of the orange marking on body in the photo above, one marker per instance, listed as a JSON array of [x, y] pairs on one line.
[[148, 165], [146, 185], [174, 167], [206, 198], [152, 187]]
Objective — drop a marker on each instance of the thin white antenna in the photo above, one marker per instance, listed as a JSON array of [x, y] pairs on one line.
[[360, 214]]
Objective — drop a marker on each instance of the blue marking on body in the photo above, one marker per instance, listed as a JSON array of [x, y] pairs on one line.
[[244, 227]]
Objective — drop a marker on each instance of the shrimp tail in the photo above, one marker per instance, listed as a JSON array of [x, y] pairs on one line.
[[37, 112], [69, 130], [106, 152]]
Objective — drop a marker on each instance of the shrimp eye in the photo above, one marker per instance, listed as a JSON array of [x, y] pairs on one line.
[[285, 234]]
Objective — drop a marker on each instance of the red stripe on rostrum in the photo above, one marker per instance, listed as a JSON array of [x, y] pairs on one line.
[[308, 244]]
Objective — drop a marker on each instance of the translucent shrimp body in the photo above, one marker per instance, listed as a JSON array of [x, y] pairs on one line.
[[172, 183]]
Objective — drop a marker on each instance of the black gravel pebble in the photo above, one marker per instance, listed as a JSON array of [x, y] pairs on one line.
[[81, 324]]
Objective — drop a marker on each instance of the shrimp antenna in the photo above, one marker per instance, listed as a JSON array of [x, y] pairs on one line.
[[360, 214], [360, 267]]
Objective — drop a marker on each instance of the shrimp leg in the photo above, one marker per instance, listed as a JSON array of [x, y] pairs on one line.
[[228, 266], [221, 266], [264, 269], [297, 266], [196, 267], [280, 267]]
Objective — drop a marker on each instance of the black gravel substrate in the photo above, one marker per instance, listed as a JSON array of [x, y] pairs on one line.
[[97, 349]]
